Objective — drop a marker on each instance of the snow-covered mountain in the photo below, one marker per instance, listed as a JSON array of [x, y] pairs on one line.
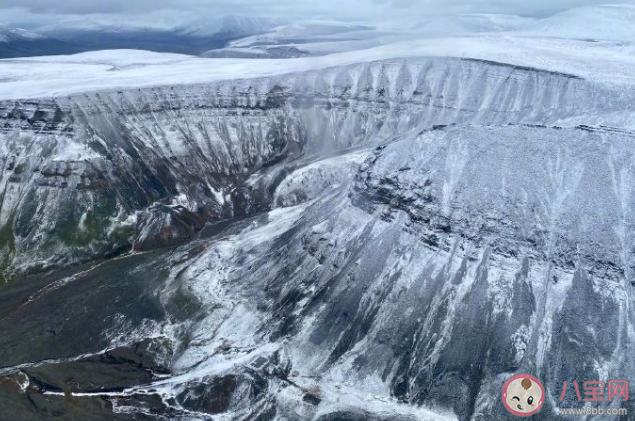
[[474, 23], [73, 35], [312, 38], [257, 37], [190, 36], [9, 34], [606, 22], [201, 26], [230, 26], [302, 39], [381, 234], [16, 42], [406, 232]]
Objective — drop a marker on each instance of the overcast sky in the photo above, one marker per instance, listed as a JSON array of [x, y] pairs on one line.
[[357, 10]]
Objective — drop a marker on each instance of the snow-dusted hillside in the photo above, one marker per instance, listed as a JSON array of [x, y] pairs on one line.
[[383, 234], [220, 133]]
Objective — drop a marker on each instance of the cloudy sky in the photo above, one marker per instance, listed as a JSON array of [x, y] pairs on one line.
[[39, 11]]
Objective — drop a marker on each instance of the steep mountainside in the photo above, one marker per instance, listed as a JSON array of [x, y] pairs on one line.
[[389, 240], [103, 160]]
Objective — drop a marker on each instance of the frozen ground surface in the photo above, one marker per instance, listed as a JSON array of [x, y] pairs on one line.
[[605, 61]]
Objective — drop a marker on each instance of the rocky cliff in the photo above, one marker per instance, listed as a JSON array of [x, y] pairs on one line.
[[389, 240]]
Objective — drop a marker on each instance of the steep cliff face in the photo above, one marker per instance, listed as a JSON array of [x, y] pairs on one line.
[[515, 256], [361, 243], [82, 181], [456, 257], [79, 172]]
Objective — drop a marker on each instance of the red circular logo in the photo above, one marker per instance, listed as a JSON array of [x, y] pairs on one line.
[[523, 395]]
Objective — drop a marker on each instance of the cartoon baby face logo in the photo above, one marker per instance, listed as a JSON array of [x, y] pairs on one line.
[[523, 395]]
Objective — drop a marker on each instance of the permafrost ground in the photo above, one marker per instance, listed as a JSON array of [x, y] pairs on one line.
[[380, 241]]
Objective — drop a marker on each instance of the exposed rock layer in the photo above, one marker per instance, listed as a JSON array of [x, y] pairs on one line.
[[406, 264]]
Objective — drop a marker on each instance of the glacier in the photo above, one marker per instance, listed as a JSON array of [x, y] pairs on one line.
[[360, 236]]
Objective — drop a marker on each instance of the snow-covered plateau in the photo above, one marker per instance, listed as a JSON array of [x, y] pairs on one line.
[[381, 234]]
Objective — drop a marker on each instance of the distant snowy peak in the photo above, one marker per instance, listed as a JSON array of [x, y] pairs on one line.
[[229, 25], [302, 33], [14, 34], [95, 25], [241, 24], [314, 28], [190, 34], [21, 43], [615, 22], [472, 23], [200, 26], [300, 39]]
